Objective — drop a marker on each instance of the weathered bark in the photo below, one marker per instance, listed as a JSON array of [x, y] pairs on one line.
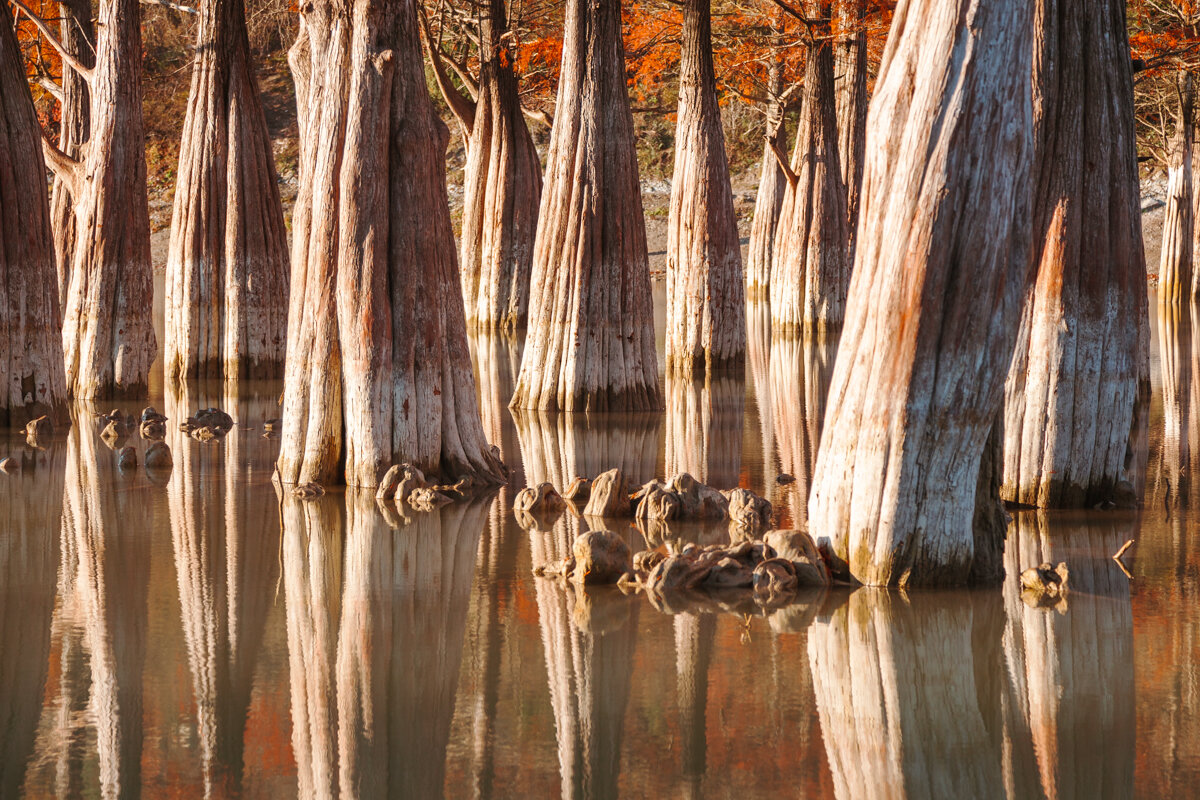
[[227, 266], [590, 345], [30, 509], [77, 32], [1069, 698], [904, 688], [772, 182], [108, 335], [226, 546], [380, 371], [850, 81], [811, 270], [32, 382], [1084, 341], [1176, 257], [497, 360], [375, 642], [940, 273], [706, 310], [588, 637], [705, 418], [502, 186], [1178, 483]]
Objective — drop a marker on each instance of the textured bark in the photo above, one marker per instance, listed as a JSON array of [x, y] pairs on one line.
[[1084, 339], [940, 273], [850, 81], [1175, 269], [227, 266], [30, 509], [226, 545], [588, 638], [32, 382], [811, 270], [380, 371], [108, 334], [590, 345], [1069, 702], [903, 687], [772, 183], [375, 634], [705, 418], [706, 310], [497, 361], [1178, 483], [77, 32], [502, 186]]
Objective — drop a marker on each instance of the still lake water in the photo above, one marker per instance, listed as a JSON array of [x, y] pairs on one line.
[[193, 635]]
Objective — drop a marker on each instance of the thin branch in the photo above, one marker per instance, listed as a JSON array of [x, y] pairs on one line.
[[172, 6], [461, 106], [781, 157], [64, 167], [68, 59]]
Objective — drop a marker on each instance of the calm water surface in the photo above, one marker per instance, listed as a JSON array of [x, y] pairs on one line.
[[191, 635]]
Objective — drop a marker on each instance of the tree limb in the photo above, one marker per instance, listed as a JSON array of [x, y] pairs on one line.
[[67, 169], [462, 107], [781, 157], [68, 59]]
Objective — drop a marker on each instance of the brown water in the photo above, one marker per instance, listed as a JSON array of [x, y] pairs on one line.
[[181, 637]]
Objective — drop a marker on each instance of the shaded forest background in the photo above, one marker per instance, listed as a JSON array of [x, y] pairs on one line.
[[1164, 38]]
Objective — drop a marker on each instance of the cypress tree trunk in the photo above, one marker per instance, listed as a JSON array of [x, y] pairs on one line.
[[1176, 259], [850, 80], [77, 32], [108, 334], [32, 382], [1179, 363], [706, 315], [380, 371], [590, 345], [227, 271], [941, 266], [811, 270], [772, 182], [705, 419], [1084, 340], [503, 183]]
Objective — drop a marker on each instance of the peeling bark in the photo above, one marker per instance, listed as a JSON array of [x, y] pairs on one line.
[[502, 186], [706, 314], [32, 382], [811, 269], [940, 274], [108, 333], [590, 345], [1083, 347], [227, 266], [380, 371]]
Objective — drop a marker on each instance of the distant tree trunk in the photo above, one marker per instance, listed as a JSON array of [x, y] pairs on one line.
[[811, 271], [941, 268], [503, 182], [108, 334], [590, 345], [1083, 345], [772, 181], [78, 33], [1176, 259], [800, 373], [379, 369], [1179, 365], [227, 270], [31, 365], [706, 309], [850, 79]]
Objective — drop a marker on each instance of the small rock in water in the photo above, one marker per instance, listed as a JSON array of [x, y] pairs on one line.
[[38, 431], [273, 425], [696, 500], [774, 579], [427, 498], [798, 548], [1044, 584], [656, 503], [748, 510], [540, 499], [127, 459], [600, 557], [308, 491], [9, 465], [411, 479], [578, 491], [608, 497], [158, 457], [150, 414], [783, 479], [114, 434], [388, 483], [154, 430]]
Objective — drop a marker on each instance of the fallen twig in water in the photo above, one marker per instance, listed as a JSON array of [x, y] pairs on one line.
[[1117, 558]]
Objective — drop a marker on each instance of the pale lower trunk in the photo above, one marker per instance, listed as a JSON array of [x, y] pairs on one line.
[[850, 80], [934, 304], [32, 382], [706, 318], [590, 345], [1178, 479], [768, 202]]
